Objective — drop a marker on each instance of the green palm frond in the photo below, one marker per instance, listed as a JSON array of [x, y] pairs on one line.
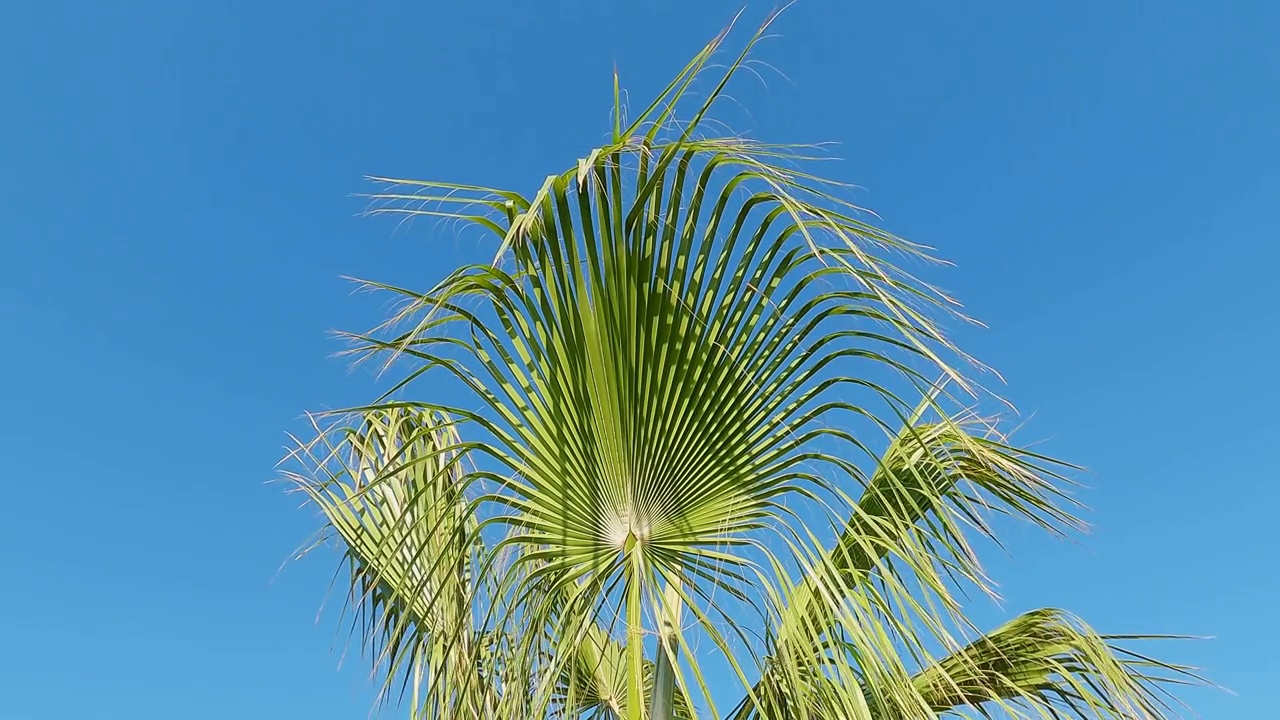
[[667, 327], [639, 419], [904, 544], [392, 488], [936, 480], [1046, 663], [600, 684]]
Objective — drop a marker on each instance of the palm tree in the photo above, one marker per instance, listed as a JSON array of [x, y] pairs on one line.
[[705, 446]]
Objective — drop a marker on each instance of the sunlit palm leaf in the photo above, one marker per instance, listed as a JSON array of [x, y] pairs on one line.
[[655, 355], [392, 489], [1047, 664], [660, 371], [601, 680], [932, 483], [903, 544]]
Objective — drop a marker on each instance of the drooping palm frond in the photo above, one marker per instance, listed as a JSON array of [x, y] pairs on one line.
[[392, 487], [392, 490], [657, 379], [931, 488], [1046, 663]]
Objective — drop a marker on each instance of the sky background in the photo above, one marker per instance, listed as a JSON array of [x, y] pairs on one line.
[[176, 211]]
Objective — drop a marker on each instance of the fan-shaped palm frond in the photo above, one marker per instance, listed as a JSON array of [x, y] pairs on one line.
[[641, 416]]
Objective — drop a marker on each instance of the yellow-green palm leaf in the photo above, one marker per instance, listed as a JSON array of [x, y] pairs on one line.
[[647, 430]]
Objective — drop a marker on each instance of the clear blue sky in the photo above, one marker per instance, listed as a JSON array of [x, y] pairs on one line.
[[176, 210]]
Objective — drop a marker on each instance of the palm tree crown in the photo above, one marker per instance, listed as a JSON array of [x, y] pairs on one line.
[[704, 446]]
